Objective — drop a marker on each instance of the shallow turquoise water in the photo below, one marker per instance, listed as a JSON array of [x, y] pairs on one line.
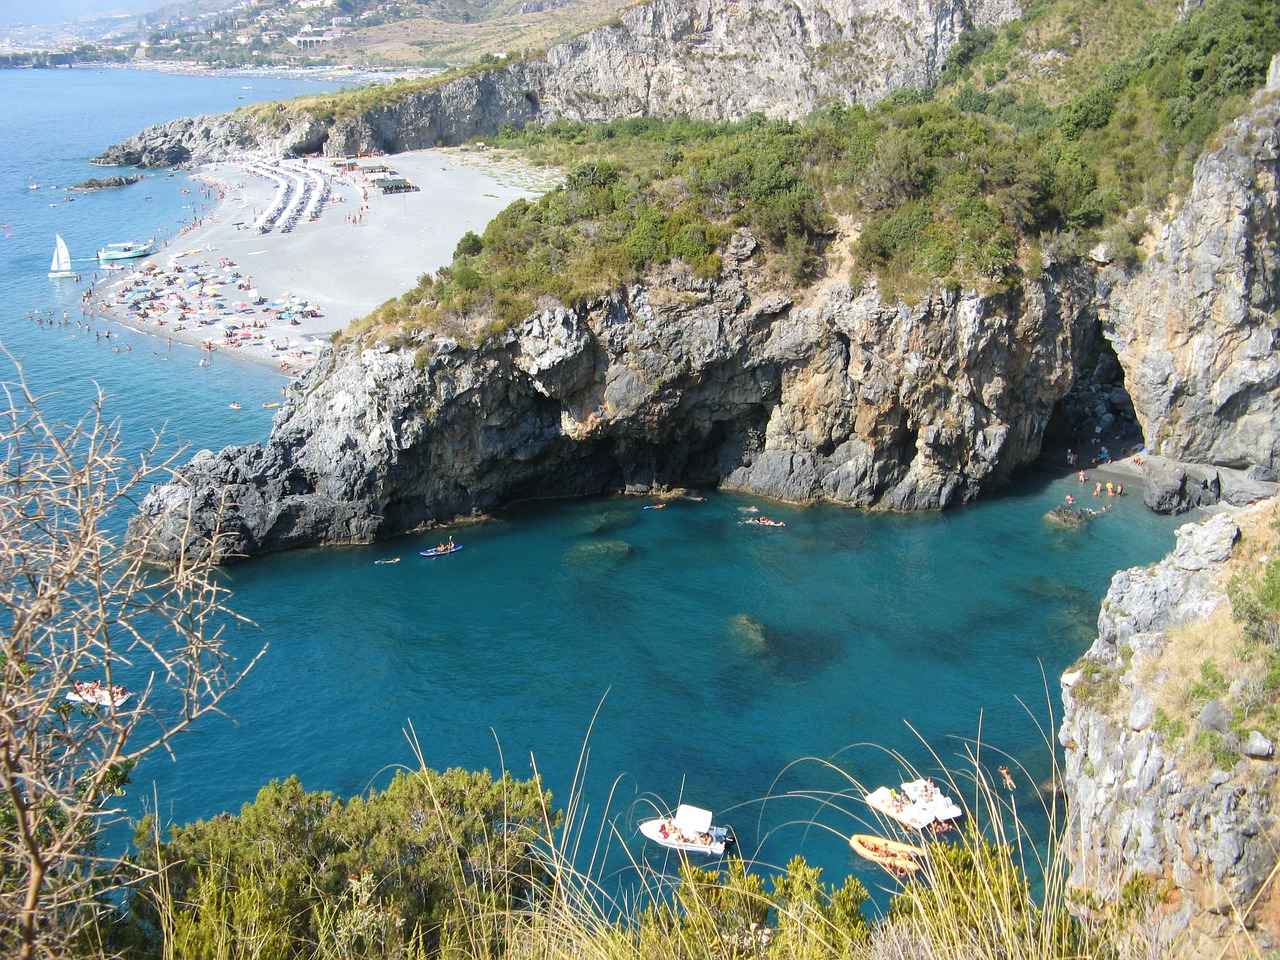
[[723, 652], [51, 123]]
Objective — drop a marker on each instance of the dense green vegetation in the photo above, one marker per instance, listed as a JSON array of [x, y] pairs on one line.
[[462, 866], [1135, 131], [648, 192], [962, 186], [297, 868], [1056, 48]]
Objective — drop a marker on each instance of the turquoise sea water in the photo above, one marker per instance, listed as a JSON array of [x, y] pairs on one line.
[[723, 652]]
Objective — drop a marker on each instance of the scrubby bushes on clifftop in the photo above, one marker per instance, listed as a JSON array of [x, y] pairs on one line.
[[961, 186], [387, 875], [466, 867]]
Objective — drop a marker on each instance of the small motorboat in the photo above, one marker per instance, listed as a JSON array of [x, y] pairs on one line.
[[900, 859], [441, 551], [764, 522], [656, 506], [387, 562], [233, 406], [98, 694], [271, 405], [689, 831]]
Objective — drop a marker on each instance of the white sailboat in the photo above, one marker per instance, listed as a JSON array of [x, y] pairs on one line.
[[61, 263]]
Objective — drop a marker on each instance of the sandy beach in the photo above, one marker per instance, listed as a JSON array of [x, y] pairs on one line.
[[273, 288]]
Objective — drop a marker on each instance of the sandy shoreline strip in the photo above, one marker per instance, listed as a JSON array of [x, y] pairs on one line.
[[271, 297]]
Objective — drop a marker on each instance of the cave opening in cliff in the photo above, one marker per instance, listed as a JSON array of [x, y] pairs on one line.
[[1097, 413]]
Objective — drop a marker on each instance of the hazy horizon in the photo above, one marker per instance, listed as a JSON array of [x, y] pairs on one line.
[[14, 13]]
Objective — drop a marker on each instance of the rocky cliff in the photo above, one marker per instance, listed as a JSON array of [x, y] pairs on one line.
[[673, 381], [840, 396], [1188, 800], [1196, 327], [711, 59]]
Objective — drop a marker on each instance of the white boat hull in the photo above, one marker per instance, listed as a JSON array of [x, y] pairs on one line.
[[107, 255], [61, 274], [99, 696], [652, 830]]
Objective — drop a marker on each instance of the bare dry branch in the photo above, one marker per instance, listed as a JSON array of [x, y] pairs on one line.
[[104, 659]]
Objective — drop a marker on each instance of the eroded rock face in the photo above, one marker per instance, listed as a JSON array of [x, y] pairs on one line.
[[710, 59], [1139, 804], [676, 381], [1196, 328]]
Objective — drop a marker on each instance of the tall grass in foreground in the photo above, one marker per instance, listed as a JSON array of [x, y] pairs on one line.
[[972, 899]]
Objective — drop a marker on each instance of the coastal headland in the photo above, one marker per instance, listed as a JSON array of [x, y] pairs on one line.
[[886, 309]]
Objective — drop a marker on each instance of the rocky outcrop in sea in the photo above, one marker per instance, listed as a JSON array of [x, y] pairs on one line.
[[672, 381], [709, 59], [104, 183], [1144, 796]]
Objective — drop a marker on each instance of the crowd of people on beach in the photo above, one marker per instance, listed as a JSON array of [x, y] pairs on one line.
[[180, 298], [214, 304]]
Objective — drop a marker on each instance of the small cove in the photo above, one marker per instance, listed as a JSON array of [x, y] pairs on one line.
[[726, 652]]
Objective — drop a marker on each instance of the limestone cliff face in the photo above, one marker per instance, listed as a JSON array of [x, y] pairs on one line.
[[1196, 327], [673, 381], [711, 59], [1141, 803]]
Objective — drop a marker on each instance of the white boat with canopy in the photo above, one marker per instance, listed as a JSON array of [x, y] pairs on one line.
[[689, 831], [61, 263], [919, 805]]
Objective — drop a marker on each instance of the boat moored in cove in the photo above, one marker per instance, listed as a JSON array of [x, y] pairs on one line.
[[900, 859], [919, 805], [129, 250], [689, 831]]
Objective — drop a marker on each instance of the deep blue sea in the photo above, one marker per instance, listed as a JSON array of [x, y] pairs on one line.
[[722, 652]]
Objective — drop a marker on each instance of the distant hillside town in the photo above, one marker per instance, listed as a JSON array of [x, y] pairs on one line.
[[291, 33]]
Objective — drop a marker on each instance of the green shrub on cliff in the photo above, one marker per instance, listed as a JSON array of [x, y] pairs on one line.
[[1132, 130], [646, 193], [967, 185], [1255, 603], [294, 867]]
